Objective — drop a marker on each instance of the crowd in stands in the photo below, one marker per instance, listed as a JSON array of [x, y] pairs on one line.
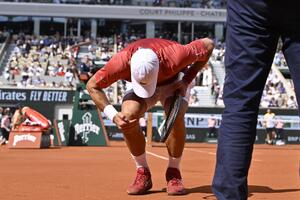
[[279, 59], [274, 94], [34, 61], [218, 4], [36, 58], [219, 51]]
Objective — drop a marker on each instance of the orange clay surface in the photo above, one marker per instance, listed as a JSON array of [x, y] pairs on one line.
[[100, 173]]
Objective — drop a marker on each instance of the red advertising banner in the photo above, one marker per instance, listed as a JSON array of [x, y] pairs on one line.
[[25, 139]]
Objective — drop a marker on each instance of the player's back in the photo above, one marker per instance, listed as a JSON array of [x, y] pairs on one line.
[[151, 43]]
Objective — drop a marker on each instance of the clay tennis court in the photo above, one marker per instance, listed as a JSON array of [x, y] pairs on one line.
[[99, 173]]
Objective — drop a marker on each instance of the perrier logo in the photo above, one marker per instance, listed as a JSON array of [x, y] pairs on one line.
[[86, 127]]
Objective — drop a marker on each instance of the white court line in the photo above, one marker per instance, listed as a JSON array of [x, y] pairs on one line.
[[155, 155], [188, 149], [211, 153]]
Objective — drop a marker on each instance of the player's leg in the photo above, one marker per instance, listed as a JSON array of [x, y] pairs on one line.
[[250, 48], [273, 134], [176, 140], [134, 107], [269, 136], [175, 145]]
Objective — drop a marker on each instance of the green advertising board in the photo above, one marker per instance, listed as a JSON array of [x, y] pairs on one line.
[[61, 132], [86, 128]]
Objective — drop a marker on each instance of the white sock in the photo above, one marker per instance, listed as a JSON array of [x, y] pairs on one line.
[[174, 162], [140, 161]]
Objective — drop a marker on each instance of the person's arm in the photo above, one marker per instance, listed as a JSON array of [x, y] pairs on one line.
[[193, 70], [103, 78], [97, 94], [195, 67], [99, 97]]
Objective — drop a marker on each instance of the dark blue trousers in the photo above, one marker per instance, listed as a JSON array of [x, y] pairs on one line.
[[253, 30]]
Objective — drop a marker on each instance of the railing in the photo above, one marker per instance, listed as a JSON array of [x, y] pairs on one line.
[[3, 50]]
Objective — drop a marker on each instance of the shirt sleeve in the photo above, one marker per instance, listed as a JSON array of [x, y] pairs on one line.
[[198, 49], [179, 56], [115, 69], [199, 53]]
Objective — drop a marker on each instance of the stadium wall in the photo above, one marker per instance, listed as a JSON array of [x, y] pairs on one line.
[[196, 124], [113, 12]]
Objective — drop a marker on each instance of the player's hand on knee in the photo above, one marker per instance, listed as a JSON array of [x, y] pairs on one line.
[[123, 123]]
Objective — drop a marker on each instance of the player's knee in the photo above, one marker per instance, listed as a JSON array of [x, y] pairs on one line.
[[130, 115], [132, 109]]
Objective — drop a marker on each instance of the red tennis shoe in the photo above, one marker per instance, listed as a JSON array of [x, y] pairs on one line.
[[142, 182], [174, 182]]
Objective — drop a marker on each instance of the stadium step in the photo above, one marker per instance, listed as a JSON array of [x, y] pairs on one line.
[[204, 95], [219, 71]]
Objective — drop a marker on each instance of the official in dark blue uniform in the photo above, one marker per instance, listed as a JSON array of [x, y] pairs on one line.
[[253, 30]]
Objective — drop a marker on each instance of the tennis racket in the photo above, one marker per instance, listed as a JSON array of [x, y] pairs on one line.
[[171, 117]]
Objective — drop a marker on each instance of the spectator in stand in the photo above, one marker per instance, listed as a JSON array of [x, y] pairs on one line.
[[69, 76], [280, 88], [272, 103], [194, 101], [279, 59], [219, 97], [157, 3], [84, 70], [60, 70], [292, 103], [207, 76], [104, 55], [281, 101]]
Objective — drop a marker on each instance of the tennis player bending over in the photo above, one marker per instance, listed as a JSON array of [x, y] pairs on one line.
[[152, 66]]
